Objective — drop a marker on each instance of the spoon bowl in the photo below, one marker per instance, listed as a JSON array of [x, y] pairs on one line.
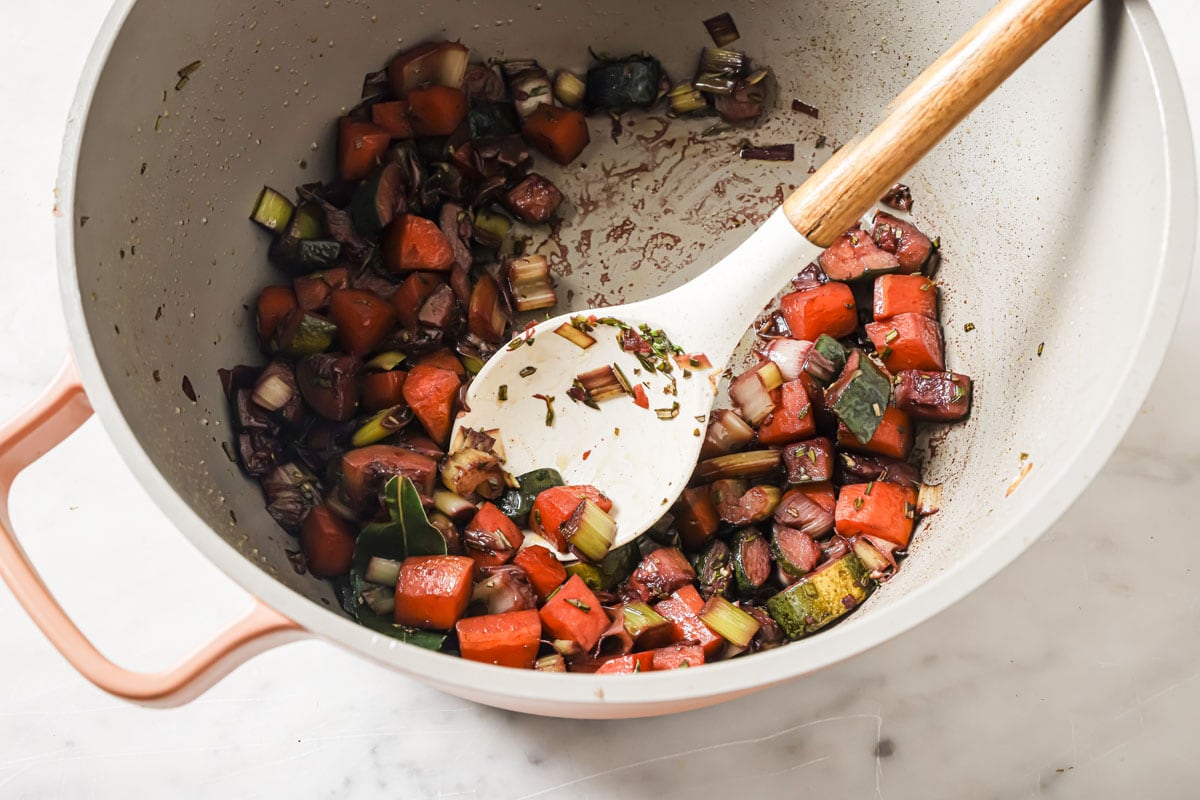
[[641, 456]]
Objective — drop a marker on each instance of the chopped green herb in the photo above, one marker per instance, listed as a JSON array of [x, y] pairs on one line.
[[502, 392], [870, 486], [527, 371], [858, 504], [970, 326], [892, 336], [668, 413], [548, 399], [582, 606], [515, 343], [1041, 347]]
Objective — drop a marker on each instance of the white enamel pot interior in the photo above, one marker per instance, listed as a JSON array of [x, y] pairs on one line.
[[1065, 206]]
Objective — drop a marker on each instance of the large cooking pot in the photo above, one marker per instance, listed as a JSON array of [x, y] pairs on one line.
[[1066, 207]]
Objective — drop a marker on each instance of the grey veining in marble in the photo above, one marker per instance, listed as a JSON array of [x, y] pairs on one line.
[[1075, 673]]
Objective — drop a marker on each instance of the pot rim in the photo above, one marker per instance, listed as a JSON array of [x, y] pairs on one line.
[[650, 693]]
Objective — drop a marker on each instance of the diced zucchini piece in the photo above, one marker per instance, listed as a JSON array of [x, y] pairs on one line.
[[374, 203], [631, 83], [751, 558], [492, 121], [304, 335], [821, 597], [832, 350], [860, 396]]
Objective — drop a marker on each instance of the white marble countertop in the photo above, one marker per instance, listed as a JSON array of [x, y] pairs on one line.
[[1073, 674]]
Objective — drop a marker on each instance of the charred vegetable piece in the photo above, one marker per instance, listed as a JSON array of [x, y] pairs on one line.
[[313, 291], [743, 103], [860, 396], [683, 609], [821, 597], [376, 198], [696, 517], [714, 572], [933, 396], [753, 392], [381, 425], [610, 573], [272, 210], [470, 471], [795, 551], [867, 467], [722, 29], [660, 573], [751, 558], [855, 255], [645, 626], [569, 89], [327, 543], [301, 256], [634, 82], [492, 120], [329, 384], [274, 304], [534, 200], [438, 63], [911, 247], [801, 510], [880, 509], [276, 391], [828, 308], [809, 461], [685, 98]]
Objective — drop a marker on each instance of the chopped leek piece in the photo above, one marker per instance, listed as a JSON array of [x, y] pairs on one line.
[[490, 228], [384, 571], [575, 336], [385, 362], [551, 663], [530, 284], [272, 210], [380, 599], [603, 383], [307, 335], [590, 532], [728, 621], [686, 99], [452, 505], [750, 464], [380, 426], [725, 62]]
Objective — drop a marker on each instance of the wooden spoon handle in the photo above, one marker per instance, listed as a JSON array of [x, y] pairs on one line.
[[833, 198]]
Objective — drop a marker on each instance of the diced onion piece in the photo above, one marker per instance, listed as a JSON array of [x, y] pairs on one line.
[[788, 355], [751, 392], [729, 622], [590, 532], [929, 499], [575, 336], [869, 555], [383, 571], [273, 393], [727, 432]]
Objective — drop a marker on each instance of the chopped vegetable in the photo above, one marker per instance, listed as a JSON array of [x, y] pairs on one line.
[[380, 426], [854, 255], [560, 133], [685, 98], [819, 598], [731, 622], [913, 249], [751, 559], [859, 396], [727, 432], [751, 464], [659, 573], [589, 531], [898, 197], [363, 319], [569, 88], [933, 396], [534, 200], [880, 509], [905, 294], [678, 657], [432, 592], [554, 506], [438, 63], [507, 640], [683, 608], [573, 613], [431, 393], [272, 210], [805, 512], [696, 517], [908, 341], [415, 243], [892, 438], [633, 82], [722, 29], [546, 573], [327, 543], [828, 308], [792, 419], [775, 152], [576, 337], [360, 146], [529, 282]]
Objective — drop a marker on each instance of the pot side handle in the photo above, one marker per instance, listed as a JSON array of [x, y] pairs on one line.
[[60, 410]]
